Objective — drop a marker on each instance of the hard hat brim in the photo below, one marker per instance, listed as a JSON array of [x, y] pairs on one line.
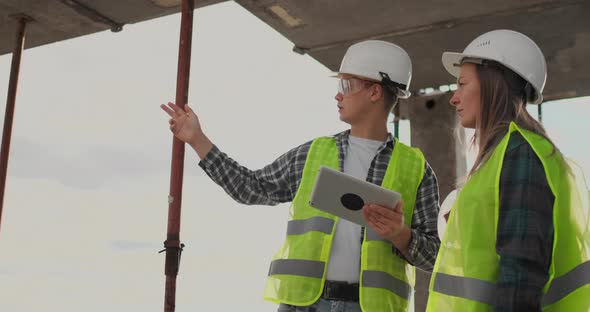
[[339, 75], [452, 63]]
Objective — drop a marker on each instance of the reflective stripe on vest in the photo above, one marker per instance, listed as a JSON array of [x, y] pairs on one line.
[[297, 273], [319, 224], [372, 236], [467, 264], [566, 284], [383, 280], [297, 267], [465, 287], [486, 292]]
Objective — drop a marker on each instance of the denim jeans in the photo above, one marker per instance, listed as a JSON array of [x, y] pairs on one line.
[[323, 305]]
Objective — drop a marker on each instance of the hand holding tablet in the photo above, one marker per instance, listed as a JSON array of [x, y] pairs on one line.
[[344, 196]]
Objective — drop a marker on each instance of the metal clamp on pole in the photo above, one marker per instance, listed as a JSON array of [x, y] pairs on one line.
[[173, 251]]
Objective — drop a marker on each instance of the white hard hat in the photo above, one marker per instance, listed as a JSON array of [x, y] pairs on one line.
[[377, 60], [509, 48]]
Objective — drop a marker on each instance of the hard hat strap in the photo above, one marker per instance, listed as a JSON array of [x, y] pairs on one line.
[[390, 84]]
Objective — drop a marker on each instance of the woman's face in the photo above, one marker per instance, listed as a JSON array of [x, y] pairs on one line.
[[466, 99]]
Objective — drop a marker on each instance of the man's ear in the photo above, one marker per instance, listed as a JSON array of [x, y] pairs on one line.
[[376, 92]]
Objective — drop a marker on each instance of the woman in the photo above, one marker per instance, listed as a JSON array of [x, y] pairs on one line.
[[517, 237]]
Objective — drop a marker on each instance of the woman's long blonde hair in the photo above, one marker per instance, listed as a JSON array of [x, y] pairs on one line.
[[503, 98]]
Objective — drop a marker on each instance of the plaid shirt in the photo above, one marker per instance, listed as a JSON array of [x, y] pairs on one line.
[[525, 229], [278, 183]]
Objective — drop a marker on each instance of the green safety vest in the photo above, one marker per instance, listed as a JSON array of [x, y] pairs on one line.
[[467, 266], [298, 270]]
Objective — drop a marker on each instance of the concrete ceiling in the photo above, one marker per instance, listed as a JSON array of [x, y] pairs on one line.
[[325, 28], [57, 20]]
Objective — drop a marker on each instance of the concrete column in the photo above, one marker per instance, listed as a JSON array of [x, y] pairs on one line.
[[435, 129]]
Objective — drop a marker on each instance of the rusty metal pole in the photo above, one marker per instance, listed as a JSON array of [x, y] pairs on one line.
[[172, 244], [10, 101]]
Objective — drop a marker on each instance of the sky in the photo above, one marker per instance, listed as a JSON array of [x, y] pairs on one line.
[[85, 211]]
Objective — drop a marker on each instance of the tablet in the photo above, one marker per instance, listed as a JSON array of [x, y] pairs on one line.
[[344, 195]]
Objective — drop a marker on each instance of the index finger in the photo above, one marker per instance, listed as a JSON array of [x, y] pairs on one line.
[[167, 110], [177, 109]]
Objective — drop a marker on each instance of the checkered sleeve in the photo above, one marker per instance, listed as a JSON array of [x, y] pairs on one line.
[[525, 229], [425, 243], [275, 183]]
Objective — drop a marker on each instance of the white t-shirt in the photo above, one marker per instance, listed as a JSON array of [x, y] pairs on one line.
[[345, 256]]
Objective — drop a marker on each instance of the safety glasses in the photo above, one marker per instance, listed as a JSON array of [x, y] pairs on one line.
[[351, 85]]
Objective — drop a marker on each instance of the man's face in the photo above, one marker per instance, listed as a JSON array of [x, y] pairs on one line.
[[353, 97]]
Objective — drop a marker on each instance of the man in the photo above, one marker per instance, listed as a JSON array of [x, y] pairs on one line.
[[328, 263]]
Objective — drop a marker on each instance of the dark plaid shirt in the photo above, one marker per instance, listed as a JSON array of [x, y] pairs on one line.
[[525, 229], [278, 183]]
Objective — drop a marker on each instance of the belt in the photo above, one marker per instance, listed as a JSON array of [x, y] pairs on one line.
[[341, 291]]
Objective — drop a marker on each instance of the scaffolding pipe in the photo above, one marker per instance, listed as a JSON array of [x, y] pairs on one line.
[[10, 102], [172, 245]]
